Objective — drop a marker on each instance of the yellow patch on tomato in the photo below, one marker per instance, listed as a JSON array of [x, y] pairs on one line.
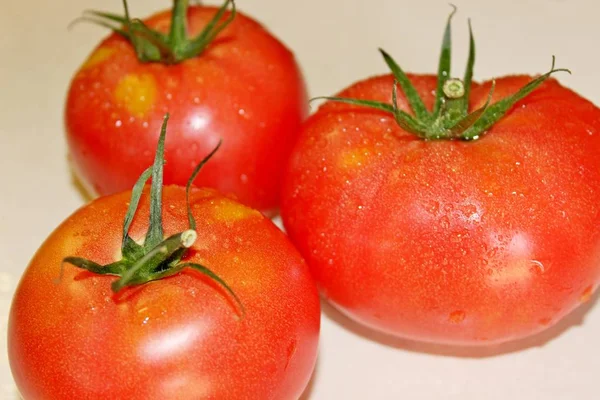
[[226, 210], [136, 93], [353, 158], [97, 57]]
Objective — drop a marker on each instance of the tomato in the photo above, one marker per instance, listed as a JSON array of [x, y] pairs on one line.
[[183, 336], [433, 238], [244, 88]]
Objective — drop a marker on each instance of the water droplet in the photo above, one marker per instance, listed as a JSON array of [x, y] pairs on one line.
[[118, 123], [197, 100], [330, 261], [590, 132], [145, 321], [445, 222], [456, 317], [545, 321], [145, 124], [433, 207], [538, 266], [241, 111], [169, 96], [587, 294]]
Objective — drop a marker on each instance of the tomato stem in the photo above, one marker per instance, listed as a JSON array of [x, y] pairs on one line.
[[450, 118], [158, 257], [153, 46]]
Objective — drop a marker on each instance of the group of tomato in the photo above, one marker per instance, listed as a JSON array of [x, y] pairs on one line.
[[428, 207]]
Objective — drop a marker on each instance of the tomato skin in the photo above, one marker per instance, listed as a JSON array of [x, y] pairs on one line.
[[455, 242], [179, 337], [245, 88]]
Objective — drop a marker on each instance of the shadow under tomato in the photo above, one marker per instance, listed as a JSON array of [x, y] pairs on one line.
[[575, 318]]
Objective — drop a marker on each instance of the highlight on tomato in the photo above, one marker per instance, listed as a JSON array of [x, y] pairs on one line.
[[218, 72], [448, 210], [155, 293]]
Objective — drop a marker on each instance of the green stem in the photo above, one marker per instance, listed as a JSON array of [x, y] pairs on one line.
[[153, 46], [450, 119], [178, 31]]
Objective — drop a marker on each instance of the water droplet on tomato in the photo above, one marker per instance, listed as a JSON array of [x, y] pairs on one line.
[[118, 123], [433, 207], [537, 266], [545, 321], [330, 261], [445, 222], [587, 294], [457, 316]]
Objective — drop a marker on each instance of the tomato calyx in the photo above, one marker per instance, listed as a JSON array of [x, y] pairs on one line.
[[158, 257], [450, 118], [154, 46]]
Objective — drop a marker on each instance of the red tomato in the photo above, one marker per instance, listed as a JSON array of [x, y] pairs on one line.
[[453, 241], [181, 337], [244, 88]]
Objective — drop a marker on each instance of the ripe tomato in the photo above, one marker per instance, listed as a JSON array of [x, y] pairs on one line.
[[244, 88], [453, 241], [182, 336]]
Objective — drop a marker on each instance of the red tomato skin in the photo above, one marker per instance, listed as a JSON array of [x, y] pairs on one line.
[[176, 338], [245, 89], [468, 243]]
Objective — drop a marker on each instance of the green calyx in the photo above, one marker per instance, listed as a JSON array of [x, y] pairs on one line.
[[153, 46], [158, 257], [450, 118]]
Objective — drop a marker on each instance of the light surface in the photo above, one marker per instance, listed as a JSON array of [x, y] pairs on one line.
[[335, 41]]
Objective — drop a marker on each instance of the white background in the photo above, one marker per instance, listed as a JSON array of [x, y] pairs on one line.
[[335, 41]]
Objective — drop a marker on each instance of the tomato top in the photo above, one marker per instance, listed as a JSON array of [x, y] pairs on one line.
[[245, 88], [449, 117], [186, 331], [467, 242]]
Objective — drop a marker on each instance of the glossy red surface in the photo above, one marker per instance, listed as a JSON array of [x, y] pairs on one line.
[[450, 241]]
